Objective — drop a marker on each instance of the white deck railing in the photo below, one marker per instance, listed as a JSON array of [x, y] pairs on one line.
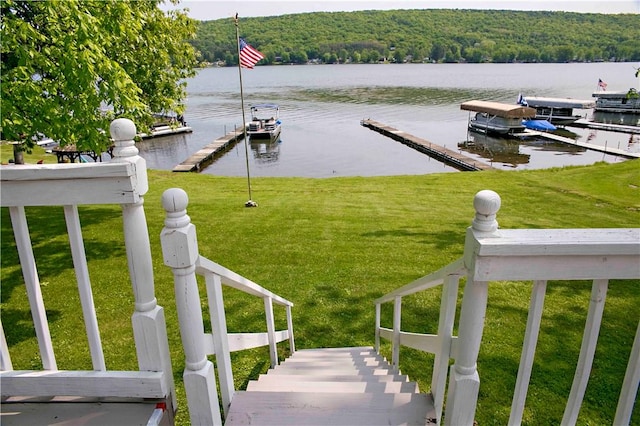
[[122, 181], [180, 252], [517, 255]]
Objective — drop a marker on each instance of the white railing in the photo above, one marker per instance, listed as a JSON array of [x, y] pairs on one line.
[[122, 181], [516, 255], [180, 252]]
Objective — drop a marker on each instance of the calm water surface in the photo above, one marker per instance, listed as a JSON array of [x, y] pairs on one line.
[[321, 107]]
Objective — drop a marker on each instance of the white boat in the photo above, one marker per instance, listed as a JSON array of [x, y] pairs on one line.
[[265, 122], [496, 117], [625, 102], [557, 111]]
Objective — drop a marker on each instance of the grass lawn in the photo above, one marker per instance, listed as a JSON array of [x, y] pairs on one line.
[[332, 246]]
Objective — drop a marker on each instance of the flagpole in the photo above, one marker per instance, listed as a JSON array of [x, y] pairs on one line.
[[249, 203]]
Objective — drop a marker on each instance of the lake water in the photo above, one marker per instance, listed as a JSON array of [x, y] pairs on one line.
[[321, 107]]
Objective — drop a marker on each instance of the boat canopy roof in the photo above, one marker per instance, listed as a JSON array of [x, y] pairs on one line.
[[499, 109], [615, 95], [537, 102], [264, 106]]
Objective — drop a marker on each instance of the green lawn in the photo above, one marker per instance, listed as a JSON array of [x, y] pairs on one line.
[[332, 246]]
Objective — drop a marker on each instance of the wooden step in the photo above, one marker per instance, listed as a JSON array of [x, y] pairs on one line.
[[319, 370], [312, 408], [334, 378], [272, 385], [290, 363]]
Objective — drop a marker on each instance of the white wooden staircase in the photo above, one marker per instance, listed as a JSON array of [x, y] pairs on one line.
[[336, 386]]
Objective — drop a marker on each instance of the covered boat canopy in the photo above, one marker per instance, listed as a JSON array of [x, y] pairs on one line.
[[539, 102], [499, 109]]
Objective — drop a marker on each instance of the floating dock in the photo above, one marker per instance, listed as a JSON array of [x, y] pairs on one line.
[[621, 128], [605, 149], [440, 153], [205, 156]]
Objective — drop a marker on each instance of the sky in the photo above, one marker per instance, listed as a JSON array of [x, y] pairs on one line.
[[206, 10]]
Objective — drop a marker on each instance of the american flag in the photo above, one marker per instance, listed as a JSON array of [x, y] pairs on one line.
[[248, 55], [602, 84]]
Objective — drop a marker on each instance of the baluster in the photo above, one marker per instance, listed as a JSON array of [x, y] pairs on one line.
[[32, 283], [377, 331], [271, 331], [180, 253], [464, 381], [630, 384], [84, 286], [448, 302], [528, 351], [397, 317], [220, 339], [292, 343], [5, 358], [148, 320], [587, 351]]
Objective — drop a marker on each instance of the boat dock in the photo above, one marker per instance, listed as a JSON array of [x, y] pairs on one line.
[[440, 153], [204, 156], [605, 149], [584, 124]]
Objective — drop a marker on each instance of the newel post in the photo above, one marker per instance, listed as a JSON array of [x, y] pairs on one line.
[[464, 381], [180, 253], [148, 320]]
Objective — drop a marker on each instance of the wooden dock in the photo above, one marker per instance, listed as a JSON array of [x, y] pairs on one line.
[[569, 141], [621, 128], [440, 153], [205, 156]]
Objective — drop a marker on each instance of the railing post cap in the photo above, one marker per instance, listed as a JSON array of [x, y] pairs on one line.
[[175, 200], [486, 203], [122, 129]]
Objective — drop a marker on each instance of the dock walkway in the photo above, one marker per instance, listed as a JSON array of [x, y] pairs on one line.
[[447, 156], [621, 128], [204, 156], [605, 149]]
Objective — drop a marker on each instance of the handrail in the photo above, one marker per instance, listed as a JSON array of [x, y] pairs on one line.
[[426, 282], [180, 252], [534, 255], [237, 281], [123, 182]]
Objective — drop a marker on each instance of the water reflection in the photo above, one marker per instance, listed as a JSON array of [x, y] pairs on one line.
[[496, 150], [616, 118], [265, 151]]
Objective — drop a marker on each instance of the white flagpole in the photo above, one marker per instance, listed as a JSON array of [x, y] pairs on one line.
[[249, 203]]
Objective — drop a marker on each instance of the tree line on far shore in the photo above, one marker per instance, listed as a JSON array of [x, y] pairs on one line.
[[433, 35]]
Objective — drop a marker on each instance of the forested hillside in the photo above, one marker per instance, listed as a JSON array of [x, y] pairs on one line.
[[427, 35]]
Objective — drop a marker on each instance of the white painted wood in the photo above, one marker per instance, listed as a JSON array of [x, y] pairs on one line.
[[424, 283], [202, 397], [292, 343], [464, 382], [423, 342], [84, 287], [271, 330], [69, 184], [332, 387], [240, 341], [629, 385], [332, 378], [528, 351], [587, 352], [234, 280], [319, 370], [5, 357], [32, 283], [395, 347], [442, 351], [220, 339], [125, 384], [83, 413], [310, 408], [377, 328]]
